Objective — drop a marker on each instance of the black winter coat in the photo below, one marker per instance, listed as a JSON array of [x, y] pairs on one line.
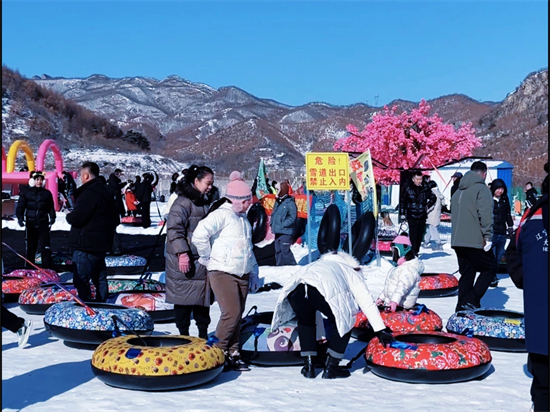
[[70, 185], [502, 213], [94, 218], [531, 197], [115, 187], [36, 207], [416, 201]]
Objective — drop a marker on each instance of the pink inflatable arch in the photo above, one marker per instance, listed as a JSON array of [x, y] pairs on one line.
[[51, 177], [4, 160]]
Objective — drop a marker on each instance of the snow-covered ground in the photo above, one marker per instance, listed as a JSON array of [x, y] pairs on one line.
[[49, 376]]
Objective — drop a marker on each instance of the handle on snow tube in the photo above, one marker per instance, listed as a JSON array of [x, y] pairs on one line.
[[251, 309]]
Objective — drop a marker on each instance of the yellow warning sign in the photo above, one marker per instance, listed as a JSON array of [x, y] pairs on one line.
[[327, 171]]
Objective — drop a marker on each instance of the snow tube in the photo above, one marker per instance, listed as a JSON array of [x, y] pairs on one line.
[[260, 345], [154, 303], [45, 275], [37, 300], [502, 330], [156, 363], [419, 318], [125, 285], [131, 221], [429, 357], [62, 261], [435, 285], [328, 238], [299, 229], [257, 217], [125, 264], [362, 232], [13, 286], [69, 321], [384, 245]]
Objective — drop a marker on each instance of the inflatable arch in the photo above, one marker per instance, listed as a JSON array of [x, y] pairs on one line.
[[10, 176]]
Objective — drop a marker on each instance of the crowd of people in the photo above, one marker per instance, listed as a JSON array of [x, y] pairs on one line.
[[209, 254]]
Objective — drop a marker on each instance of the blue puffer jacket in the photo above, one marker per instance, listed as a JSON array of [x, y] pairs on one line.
[[532, 250], [283, 216]]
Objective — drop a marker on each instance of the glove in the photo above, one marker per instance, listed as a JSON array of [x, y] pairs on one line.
[[488, 246], [385, 336], [379, 302], [393, 306], [21, 223], [183, 262], [254, 282]]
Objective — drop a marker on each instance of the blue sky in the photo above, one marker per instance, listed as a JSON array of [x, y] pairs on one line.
[[293, 52]]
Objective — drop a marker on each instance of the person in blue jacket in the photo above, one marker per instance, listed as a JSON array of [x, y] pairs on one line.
[[530, 272], [283, 219]]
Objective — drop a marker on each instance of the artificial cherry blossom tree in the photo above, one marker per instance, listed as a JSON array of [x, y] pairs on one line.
[[409, 140]]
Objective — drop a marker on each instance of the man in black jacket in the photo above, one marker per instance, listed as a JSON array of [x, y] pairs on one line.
[[144, 198], [531, 195], [93, 223], [70, 187], [115, 185], [36, 208], [417, 199]]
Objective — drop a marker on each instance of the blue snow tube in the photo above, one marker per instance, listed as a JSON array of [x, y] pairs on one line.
[[328, 238], [502, 330]]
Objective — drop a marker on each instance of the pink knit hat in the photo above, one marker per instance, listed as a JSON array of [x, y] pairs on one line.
[[237, 188], [402, 240]]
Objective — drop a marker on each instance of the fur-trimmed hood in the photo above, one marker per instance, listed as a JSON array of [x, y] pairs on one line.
[[342, 257]]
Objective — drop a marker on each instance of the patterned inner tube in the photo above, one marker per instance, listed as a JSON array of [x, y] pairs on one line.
[[437, 285], [70, 321], [45, 275], [38, 299], [12, 287], [262, 346], [154, 363], [502, 330], [434, 357], [152, 302], [400, 321], [124, 285], [125, 264]]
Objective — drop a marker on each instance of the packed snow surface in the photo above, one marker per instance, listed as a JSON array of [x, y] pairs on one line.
[[49, 376]]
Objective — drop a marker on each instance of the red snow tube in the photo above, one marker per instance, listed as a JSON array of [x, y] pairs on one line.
[[13, 286], [419, 318], [429, 357], [37, 300], [434, 285], [384, 246], [131, 221]]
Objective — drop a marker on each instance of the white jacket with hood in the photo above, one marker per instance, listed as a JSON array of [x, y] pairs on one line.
[[402, 284], [343, 287], [224, 242]]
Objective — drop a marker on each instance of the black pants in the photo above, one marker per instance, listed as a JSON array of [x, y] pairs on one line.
[[42, 233], [417, 228], [471, 261], [11, 321], [145, 214], [90, 267], [305, 308], [539, 387], [201, 314], [283, 255]]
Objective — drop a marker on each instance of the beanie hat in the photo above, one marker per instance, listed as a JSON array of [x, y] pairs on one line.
[[237, 188]]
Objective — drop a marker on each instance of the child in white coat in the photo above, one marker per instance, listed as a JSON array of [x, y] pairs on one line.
[[403, 281], [224, 243]]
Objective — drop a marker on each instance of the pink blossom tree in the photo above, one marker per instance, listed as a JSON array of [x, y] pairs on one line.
[[409, 140]]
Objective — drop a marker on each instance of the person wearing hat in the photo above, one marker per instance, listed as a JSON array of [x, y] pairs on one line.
[[35, 210], [224, 243], [456, 181], [282, 222], [402, 284]]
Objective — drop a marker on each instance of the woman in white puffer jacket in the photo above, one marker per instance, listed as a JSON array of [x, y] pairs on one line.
[[402, 284], [334, 286], [224, 243]]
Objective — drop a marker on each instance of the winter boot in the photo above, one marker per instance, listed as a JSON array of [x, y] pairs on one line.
[[309, 369], [333, 370], [203, 334], [234, 362]]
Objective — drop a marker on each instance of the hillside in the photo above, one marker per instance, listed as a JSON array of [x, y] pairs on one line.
[[229, 128]]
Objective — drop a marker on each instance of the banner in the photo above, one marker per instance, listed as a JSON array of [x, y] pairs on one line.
[[261, 186], [327, 171], [362, 175]]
